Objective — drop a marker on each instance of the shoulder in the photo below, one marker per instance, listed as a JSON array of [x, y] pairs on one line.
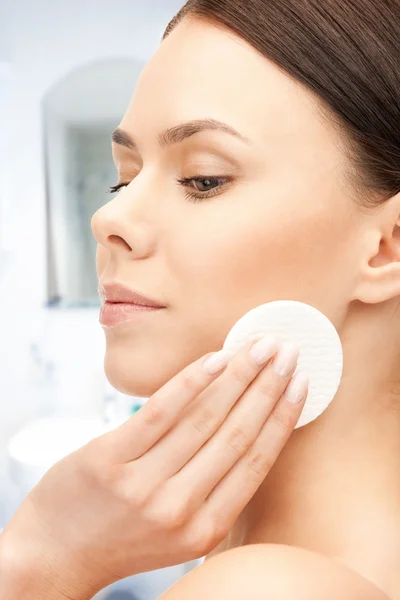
[[260, 571]]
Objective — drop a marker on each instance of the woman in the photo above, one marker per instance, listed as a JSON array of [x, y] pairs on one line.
[[301, 202]]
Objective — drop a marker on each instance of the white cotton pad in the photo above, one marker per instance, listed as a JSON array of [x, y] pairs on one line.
[[320, 348]]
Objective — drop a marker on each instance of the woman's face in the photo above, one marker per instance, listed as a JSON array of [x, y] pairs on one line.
[[280, 224]]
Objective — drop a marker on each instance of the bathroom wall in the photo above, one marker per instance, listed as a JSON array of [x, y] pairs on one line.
[[40, 42]]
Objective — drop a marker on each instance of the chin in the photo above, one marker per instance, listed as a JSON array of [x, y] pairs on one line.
[[139, 374], [137, 365], [134, 382]]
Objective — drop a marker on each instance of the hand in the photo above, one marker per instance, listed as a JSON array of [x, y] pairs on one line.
[[163, 488]]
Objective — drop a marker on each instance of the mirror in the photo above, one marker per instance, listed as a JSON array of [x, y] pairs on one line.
[[79, 113], [5, 94]]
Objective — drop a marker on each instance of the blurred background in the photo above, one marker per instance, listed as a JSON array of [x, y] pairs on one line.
[[67, 73]]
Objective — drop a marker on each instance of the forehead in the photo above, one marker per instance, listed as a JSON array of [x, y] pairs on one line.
[[204, 70]]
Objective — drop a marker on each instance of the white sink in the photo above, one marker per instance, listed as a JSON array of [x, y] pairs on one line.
[[43, 442]]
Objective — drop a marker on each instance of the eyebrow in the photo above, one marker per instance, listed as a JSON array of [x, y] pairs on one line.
[[177, 134]]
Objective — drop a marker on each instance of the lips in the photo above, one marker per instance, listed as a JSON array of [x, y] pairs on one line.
[[117, 293]]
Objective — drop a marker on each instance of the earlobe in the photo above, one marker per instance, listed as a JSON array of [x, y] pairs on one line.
[[380, 278], [379, 284]]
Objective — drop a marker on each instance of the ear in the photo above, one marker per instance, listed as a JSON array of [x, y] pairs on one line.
[[380, 276]]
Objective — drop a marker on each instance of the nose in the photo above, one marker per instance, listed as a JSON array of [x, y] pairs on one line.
[[115, 227]]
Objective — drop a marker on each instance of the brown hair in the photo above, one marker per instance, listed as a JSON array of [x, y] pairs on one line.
[[348, 54]]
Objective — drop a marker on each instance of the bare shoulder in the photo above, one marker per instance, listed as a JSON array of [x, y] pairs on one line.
[[259, 571]]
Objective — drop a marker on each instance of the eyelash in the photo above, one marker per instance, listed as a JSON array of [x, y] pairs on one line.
[[185, 182]]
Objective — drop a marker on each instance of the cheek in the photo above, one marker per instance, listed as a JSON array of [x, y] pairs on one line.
[[271, 253]]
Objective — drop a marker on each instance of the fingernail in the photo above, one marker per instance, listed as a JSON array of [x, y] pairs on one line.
[[263, 349], [286, 359], [216, 361], [297, 388]]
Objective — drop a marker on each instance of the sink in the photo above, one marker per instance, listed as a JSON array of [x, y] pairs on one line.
[[43, 442]]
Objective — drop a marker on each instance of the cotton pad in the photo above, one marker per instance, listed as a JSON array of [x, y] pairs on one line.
[[320, 348]]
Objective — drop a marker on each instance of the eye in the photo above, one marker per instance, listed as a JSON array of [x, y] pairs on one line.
[[212, 186]]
